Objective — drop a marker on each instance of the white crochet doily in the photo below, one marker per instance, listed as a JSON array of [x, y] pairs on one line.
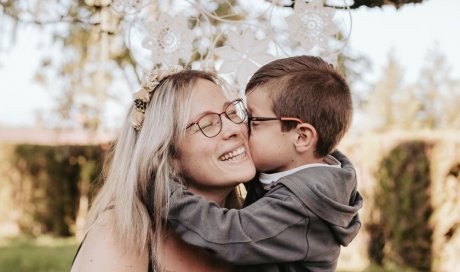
[[251, 34]]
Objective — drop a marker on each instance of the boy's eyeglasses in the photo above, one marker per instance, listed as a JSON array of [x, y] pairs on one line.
[[258, 118], [211, 124]]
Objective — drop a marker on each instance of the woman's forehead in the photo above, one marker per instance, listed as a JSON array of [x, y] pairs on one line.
[[207, 97]]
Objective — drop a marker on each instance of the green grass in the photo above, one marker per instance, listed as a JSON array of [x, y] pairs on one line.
[[38, 255], [388, 267], [47, 254]]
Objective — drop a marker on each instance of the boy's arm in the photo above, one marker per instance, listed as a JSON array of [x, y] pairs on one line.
[[271, 230]]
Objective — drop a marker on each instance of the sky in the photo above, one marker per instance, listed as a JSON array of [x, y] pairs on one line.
[[409, 32]]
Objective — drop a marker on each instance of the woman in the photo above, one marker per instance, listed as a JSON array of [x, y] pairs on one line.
[[183, 129]]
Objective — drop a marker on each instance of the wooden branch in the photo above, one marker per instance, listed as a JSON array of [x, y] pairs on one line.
[[61, 19], [374, 3], [380, 3]]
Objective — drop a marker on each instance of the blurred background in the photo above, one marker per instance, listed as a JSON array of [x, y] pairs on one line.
[[68, 70]]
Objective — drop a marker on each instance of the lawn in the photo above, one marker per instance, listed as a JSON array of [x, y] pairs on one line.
[[46, 254], [37, 255]]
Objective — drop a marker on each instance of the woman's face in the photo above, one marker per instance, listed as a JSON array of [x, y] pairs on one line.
[[217, 164]]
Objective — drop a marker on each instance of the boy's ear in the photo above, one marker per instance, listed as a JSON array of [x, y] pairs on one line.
[[306, 137]]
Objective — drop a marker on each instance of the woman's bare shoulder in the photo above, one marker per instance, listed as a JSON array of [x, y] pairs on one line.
[[101, 251]]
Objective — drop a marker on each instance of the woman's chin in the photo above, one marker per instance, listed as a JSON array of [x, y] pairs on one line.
[[241, 169]]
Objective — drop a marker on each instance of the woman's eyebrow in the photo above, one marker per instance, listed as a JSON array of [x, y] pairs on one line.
[[199, 115], [226, 104]]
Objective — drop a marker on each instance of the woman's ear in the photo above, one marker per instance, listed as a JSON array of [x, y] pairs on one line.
[[176, 164], [306, 138]]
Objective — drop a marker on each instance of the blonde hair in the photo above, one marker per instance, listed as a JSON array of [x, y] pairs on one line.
[[141, 166]]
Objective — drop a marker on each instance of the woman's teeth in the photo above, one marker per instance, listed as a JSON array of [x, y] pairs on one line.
[[234, 155]]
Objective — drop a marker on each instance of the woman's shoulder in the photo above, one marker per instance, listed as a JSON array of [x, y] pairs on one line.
[[101, 251]]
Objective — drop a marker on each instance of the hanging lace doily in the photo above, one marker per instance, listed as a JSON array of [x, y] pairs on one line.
[[169, 39], [311, 24], [243, 54], [249, 35], [127, 7]]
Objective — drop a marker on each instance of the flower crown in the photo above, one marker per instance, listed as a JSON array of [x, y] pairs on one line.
[[142, 97]]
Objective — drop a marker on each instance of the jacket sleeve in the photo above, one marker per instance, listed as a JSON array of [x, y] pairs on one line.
[[271, 230]]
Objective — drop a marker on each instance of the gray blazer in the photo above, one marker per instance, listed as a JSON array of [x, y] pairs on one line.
[[298, 225]]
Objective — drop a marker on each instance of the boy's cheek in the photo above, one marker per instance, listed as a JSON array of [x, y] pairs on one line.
[[252, 146], [252, 141], [256, 147]]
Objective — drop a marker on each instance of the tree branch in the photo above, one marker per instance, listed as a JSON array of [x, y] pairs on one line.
[[62, 19], [373, 3]]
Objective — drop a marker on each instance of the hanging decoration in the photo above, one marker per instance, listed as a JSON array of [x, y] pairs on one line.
[[236, 42], [169, 39]]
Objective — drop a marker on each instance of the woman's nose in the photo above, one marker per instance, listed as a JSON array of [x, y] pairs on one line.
[[230, 129]]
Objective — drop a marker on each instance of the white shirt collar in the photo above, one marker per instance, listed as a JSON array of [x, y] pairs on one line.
[[271, 179]]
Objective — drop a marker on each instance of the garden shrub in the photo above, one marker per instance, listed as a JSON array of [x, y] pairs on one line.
[[403, 199], [49, 185]]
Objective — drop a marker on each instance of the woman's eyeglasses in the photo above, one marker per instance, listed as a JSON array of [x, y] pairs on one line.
[[211, 124], [251, 119]]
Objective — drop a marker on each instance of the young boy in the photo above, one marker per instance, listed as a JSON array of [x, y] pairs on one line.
[[305, 204]]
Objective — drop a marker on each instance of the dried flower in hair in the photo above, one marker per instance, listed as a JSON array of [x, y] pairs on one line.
[[142, 97], [136, 118], [143, 94], [175, 69]]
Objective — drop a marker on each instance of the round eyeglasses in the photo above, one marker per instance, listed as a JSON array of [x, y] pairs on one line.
[[252, 119], [210, 124]]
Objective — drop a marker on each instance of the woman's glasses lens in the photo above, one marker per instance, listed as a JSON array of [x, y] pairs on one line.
[[236, 112], [211, 124]]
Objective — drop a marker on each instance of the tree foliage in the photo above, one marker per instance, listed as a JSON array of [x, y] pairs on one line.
[[95, 58], [404, 202], [49, 186], [97, 65], [429, 103]]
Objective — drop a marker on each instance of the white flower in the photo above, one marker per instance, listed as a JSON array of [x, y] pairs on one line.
[[142, 94], [160, 74], [169, 39], [281, 3], [175, 69], [243, 54], [150, 80], [127, 6], [136, 118], [311, 24]]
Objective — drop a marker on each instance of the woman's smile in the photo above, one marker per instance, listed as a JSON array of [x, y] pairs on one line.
[[234, 155]]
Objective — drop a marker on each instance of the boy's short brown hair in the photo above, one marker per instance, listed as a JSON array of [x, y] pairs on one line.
[[310, 89]]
